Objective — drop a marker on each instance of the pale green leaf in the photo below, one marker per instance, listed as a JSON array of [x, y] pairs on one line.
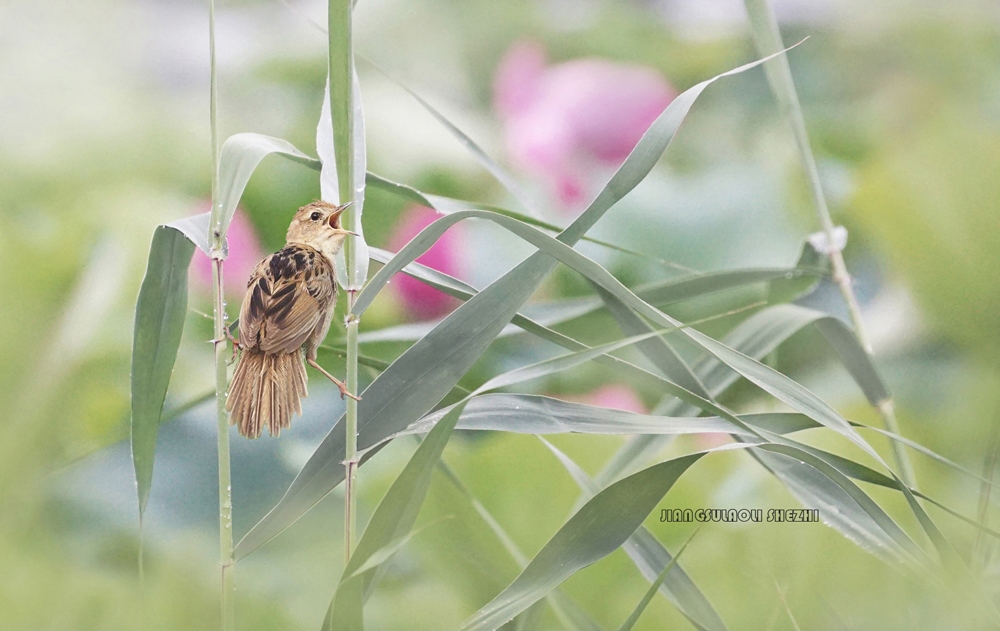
[[240, 155]]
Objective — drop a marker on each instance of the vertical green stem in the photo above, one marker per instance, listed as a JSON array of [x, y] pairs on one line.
[[221, 384], [351, 427], [225, 484], [341, 60], [768, 38]]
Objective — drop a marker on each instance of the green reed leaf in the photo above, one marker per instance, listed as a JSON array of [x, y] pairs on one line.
[[344, 157], [159, 321], [658, 350], [569, 613], [602, 525], [650, 557], [654, 586], [391, 523], [240, 155], [538, 414], [658, 293], [770, 380], [448, 205]]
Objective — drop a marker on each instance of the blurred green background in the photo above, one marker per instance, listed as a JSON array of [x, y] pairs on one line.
[[104, 135]]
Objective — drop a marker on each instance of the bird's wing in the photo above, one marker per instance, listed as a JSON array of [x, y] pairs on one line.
[[289, 294]]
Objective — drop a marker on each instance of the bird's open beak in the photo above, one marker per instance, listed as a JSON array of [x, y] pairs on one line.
[[334, 220]]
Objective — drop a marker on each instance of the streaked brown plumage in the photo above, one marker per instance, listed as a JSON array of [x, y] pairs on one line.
[[286, 311]]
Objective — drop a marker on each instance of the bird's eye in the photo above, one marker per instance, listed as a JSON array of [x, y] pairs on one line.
[[315, 216]]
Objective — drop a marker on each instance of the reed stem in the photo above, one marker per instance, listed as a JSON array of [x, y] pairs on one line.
[[228, 604], [351, 427], [767, 36], [341, 60]]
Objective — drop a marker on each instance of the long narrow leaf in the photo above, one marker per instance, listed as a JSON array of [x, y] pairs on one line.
[[391, 522], [159, 321], [659, 293], [654, 586], [240, 155], [757, 337], [568, 612], [602, 525], [658, 350], [562, 362], [537, 414], [340, 143], [650, 557], [449, 205], [770, 380]]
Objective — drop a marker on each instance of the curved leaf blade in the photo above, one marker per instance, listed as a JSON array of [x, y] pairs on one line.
[[648, 596], [768, 379], [343, 155], [240, 155], [392, 521], [565, 608], [649, 556], [541, 415], [602, 525], [657, 350], [195, 228], [448, 205], [659, 293]]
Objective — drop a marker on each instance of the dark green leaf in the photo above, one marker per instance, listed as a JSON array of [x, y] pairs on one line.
[[596, 530], [568, 612], [658, 350], [650, 557], [159, 321], [391, 522]]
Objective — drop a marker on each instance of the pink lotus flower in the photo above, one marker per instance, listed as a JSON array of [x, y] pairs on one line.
[[571, 121], [421, 300], [244, 254]]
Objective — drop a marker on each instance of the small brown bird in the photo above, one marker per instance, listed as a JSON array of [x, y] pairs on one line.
[[287, 310]]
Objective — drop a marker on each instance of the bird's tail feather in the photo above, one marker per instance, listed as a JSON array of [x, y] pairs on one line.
[[266, 390]]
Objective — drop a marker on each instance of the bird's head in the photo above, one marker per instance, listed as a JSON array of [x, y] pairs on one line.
[[318, 226]]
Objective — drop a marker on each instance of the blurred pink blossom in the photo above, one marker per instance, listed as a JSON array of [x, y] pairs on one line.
[[244, 254], [620, 397], [570, 121], [708, 441], [616, 396], [420, 300]]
